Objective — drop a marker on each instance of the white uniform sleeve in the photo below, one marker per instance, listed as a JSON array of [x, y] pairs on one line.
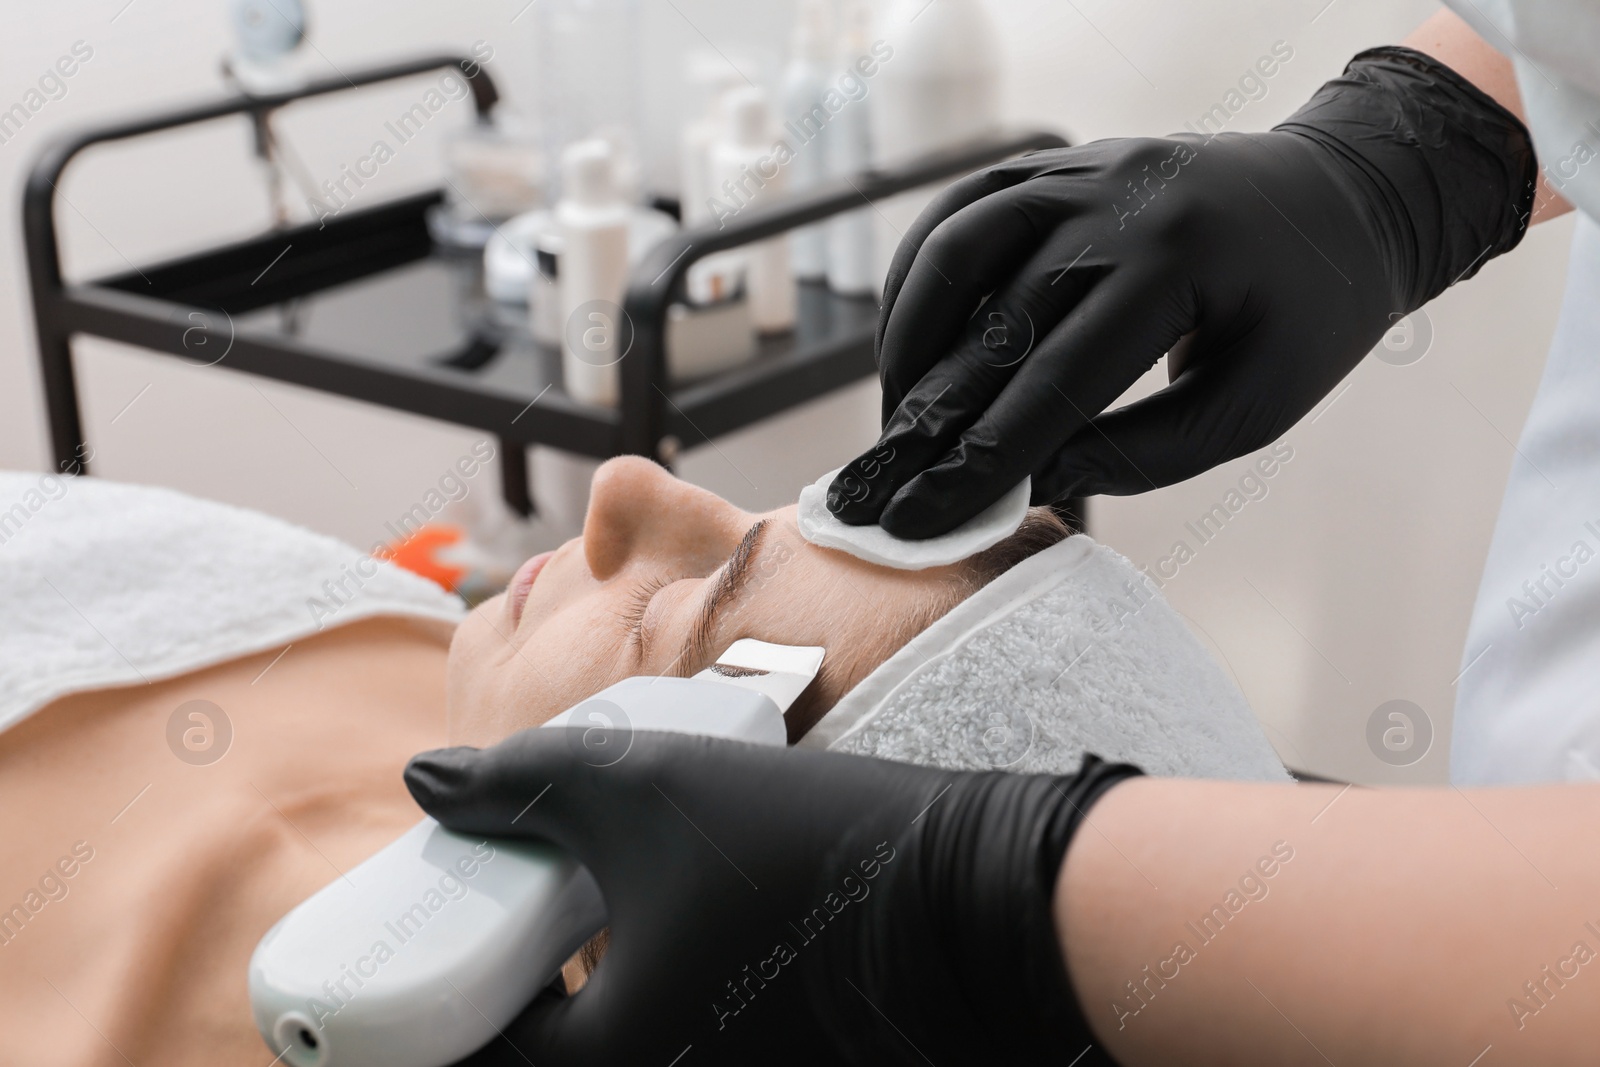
[[1554, 47]]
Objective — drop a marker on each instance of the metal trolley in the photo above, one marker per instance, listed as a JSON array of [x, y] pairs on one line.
[[460, 365]]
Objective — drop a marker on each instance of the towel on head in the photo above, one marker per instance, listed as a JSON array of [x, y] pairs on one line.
[[1071, 651], [108, 585]]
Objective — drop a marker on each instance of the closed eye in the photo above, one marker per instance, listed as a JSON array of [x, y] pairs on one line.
[[724, 586], [638, 604]]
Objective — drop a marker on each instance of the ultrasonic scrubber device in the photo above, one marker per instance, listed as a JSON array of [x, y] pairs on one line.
[[423, 953]]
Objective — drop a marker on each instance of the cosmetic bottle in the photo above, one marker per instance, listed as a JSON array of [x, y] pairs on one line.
[[588, 62], [942, 85], [593, 221], [851, 269], [806, 83], [708, 79], [749, 167], [714, 279]]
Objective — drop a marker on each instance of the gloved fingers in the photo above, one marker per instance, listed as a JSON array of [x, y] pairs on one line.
[[954, 197], [949, 398], [543, 783], [1120, 328], [978, 251], [928, 422], [1205, 417], [601, 793]]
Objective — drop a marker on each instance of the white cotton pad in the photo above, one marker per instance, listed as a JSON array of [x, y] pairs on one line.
[[875, 545]]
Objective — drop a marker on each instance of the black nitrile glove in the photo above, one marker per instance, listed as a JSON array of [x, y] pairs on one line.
[[1027, 298], [787, 906]]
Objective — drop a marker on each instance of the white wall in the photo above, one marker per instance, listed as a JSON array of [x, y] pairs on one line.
[[1348, 585]]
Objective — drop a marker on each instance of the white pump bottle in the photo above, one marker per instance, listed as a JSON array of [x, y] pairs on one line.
[[593, 219]]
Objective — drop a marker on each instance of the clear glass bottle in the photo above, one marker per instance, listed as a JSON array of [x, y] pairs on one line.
[[587, 62]]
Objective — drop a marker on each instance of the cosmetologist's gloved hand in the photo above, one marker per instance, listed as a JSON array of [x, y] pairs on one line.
[[1027, 298], [788, 906]]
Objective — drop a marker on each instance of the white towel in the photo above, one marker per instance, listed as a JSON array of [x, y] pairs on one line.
[[1071, 651], [104, 584]]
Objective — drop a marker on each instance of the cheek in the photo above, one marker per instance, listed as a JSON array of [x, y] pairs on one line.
[[469, 676], [495, 689], [492, 690]]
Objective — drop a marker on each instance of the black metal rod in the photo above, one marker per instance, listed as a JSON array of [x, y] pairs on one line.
[[515, 488], [145, 322], [61, 400], [53, 326], [283, 264]]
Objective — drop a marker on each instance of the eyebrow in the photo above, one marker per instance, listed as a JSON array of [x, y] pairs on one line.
[[725, 589]]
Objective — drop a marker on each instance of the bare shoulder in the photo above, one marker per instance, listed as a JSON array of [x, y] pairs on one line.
[[169, 825]]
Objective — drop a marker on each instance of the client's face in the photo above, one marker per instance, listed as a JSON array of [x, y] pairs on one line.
[[664, 578]]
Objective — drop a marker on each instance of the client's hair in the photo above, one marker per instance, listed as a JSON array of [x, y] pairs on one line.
[[1042, 528]]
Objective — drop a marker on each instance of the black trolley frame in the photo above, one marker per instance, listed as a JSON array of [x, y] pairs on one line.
[[160, 307]]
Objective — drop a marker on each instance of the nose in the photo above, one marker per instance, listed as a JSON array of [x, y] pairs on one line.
[[638, 510]]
